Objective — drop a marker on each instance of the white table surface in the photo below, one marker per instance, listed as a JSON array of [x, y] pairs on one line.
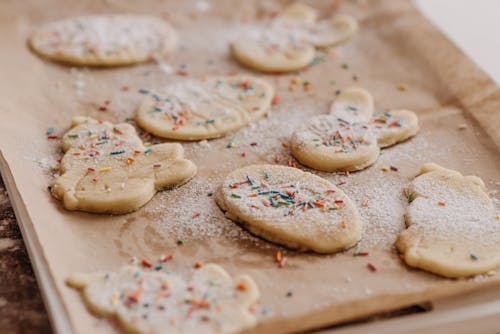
[[473, 25]]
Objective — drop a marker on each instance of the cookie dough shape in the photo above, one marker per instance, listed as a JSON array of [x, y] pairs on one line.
[[104, 40], [196, 109], [451, 230], [290, 207], [107, 169], [350, 137], [165, 302], [289, 42]]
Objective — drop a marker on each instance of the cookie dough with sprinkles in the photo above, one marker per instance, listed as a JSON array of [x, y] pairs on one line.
[[151, 301], [290, 207], [104, 40], [203, 109], [107, 169]]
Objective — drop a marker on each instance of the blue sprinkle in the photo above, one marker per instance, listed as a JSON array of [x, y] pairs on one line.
[[143, 91], [117, 152], [147, 151]]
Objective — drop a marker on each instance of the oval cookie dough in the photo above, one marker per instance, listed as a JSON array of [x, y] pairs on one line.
[[195, 109], [350, 136], [210, 301], [104, 40], [452, 229], [290, 207], [107, 169]]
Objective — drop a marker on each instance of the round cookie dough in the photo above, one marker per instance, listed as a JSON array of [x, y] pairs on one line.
[[350, 136], [290, 207], [288, 43], [104, 40], [195, 110], [452, 229], [210, 301], [107, 169]]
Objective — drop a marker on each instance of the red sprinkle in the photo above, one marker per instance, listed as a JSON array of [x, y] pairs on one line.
[[52, 136], [166, 258], [275, 100], [182, 73], [371, 266], [362, 253], [146, 263], [394, 168], [282, 263], [196, 215]]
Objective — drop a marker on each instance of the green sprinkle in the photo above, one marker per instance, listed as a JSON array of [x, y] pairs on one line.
[[266, 174], [73, 135], [210, 194], [235, 195], [180, 242], [117, 152], [143, 91], [210, 121], [473, 257], [345, 66]]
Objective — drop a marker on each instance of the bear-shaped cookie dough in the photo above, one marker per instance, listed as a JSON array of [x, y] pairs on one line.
[[107, 169], [288, 43], [350, 137], [452, 228]]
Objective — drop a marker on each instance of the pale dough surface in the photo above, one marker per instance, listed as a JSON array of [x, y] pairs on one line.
[[288, 43], [104, 40], [203, 109], [452, 229], [290, 207], [350, 137], [107, 169], [155, 302]]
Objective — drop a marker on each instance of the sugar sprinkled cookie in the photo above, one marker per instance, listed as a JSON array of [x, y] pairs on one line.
[[107, 169], [350, 137], [104, 40], [452, 229], [290, 207], [203, 109], [210, 301], [288, 43]]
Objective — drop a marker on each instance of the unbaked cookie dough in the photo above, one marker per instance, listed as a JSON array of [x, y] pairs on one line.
[[288, 43], [107, 169], [290, 207], [165, 302], [104, 40], [203, 109], [452, 229], [350, 137]]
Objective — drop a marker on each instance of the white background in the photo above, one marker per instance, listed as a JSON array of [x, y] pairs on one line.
[[473, 25]]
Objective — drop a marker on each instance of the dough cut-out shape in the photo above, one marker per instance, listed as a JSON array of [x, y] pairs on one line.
[[452, 228], [104, 40], [203, 109], [211, 301], [288, 43], [107, 169], [350, 137], [290, 207]]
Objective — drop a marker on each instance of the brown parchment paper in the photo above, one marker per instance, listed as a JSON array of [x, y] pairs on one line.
[[396, 45]]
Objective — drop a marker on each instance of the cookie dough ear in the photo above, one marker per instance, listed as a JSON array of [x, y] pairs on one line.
[[353, 104], [406, 126], [431, 167], [169, 166], [300, 12], [250, 293], [81, 280], [337, 30]]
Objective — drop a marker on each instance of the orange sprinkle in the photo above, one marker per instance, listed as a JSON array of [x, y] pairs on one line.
[[198, 264], [136, 294], [279, 256], [344, 224], [364, 203], [285, 144], [146, 263], [441, 203], [241, 286], [76, 153], [244, 154], [253, 195]]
